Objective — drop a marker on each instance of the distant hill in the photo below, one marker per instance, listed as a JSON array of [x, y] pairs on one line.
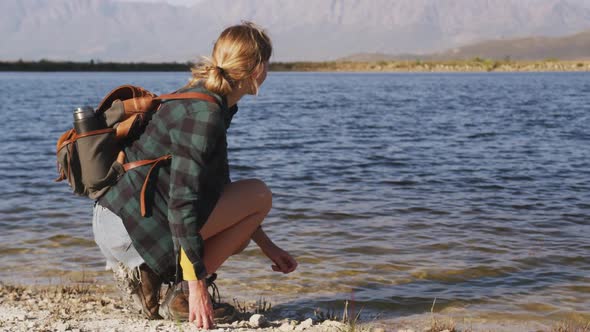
[[111, 30], [573, 47]]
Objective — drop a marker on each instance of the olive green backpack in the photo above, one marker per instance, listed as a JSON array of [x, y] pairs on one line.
[[93, 162]]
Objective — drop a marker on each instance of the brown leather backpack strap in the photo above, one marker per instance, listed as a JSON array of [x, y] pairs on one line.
[[124, 127], [71, 136], [188, 95], [146, 181], [122, 92], [144, 104], [135, 164], [140, 104]]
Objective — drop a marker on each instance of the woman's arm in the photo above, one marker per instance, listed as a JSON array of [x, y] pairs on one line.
[[192, 137], [283, 261]]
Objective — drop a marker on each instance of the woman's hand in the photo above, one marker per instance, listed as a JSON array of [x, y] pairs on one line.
[[200, 308], [284, 262]]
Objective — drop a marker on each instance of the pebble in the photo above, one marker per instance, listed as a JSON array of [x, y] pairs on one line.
[[62, 327], [333, 323], [305, 324], [257, 320], [286, 327]]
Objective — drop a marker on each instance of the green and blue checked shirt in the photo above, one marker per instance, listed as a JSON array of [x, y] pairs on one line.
[[182, 192]]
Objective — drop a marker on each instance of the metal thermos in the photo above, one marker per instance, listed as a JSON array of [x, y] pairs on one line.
[[85, 120]]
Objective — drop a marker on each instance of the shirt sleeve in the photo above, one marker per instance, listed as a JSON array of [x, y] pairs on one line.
[[192, 140], [188, 272]]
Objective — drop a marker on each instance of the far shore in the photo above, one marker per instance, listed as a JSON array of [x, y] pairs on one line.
[[403, 66]]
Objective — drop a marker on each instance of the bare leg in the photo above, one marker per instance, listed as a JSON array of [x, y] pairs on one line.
[[240, 210]]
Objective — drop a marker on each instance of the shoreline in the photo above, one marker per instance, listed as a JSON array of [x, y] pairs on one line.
[[476, 65], [451, 66], [92, 307]]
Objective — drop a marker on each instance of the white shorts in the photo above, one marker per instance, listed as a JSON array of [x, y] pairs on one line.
[[113, 240]]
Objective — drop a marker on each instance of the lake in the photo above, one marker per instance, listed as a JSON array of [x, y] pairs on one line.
[[390, 189]]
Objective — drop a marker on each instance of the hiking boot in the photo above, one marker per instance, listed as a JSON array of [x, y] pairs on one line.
[[175, 303], [148, 292], [143, 286]]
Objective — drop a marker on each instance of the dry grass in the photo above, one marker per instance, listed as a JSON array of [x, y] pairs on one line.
[[571, 326], [439, 325], [245, 310]]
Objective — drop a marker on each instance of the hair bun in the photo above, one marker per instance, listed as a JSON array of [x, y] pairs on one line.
[[221, 70]]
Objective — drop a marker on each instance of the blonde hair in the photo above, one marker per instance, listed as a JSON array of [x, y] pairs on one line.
[[239, 51]]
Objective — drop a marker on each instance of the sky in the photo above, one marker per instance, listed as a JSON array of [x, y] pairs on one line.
[[172, 2]]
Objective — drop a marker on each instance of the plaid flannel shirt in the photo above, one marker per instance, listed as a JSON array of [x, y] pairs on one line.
[[183, 192]]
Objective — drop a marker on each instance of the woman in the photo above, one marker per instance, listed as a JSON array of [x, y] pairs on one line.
[[195, 216]]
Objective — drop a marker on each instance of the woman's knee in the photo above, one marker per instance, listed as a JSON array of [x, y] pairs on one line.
[[261, 194], [242, 247]]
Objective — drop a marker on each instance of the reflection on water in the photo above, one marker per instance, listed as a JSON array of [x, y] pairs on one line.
[[390, 189]]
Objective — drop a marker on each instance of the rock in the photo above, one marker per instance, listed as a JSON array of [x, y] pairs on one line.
[[286, 327], [257, 320], [339, 325], [305, 324], [21, 317], [62, 327]]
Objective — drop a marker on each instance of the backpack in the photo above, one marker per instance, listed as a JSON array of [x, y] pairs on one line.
[[93, 162]]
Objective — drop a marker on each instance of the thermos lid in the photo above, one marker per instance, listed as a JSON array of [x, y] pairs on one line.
[[83, 112]]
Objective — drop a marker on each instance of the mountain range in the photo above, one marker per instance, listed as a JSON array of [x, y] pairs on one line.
[[570, 47], [112, 30]]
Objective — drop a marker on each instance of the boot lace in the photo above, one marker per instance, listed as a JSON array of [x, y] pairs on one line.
[[214, 293]]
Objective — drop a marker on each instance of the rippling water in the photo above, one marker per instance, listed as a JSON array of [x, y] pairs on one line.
[[392, 189]]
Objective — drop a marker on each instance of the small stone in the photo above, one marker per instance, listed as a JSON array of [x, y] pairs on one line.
[[445, 331], [305, 324], [21, 317], [257, 320], [76, 330], [62, 327], [335, 324], [286, 327], [378, 329]]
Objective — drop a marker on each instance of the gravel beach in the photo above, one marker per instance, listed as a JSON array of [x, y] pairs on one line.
[[91, 307], [97, 308]]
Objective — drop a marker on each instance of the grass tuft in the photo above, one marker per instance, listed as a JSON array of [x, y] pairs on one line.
[[262, 306], [571, 326], [439, 325]]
